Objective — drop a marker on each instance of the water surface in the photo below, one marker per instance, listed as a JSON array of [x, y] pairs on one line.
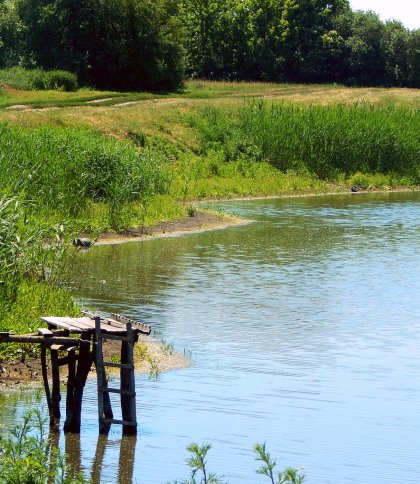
[[305, 332]]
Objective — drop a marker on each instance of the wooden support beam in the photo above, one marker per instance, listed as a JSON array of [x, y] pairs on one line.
[[45, 332], [128, 395], [104, 401], [74, 407], [46, 384], [39, 340], [55, 394], [71, 384]]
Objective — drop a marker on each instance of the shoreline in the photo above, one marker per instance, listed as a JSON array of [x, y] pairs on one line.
[[154, 356], [204, 221], [150, 355]]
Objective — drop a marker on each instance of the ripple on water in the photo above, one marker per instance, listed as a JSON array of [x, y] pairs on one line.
[[305, 333]]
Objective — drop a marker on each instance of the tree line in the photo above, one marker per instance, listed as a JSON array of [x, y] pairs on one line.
[[155, 44]]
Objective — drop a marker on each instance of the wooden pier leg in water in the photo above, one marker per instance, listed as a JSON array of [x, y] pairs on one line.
[[128, 400], [73, 418], [46, 384], [71, 382], [55, 395], [104, 400]]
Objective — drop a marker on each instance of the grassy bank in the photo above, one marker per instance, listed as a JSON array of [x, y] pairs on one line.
[[136, 159]]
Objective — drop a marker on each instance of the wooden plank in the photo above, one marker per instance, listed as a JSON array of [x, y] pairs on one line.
[[68, 359], [62, 340], [45, 332], [57, 322], [115, 337], [106, 323], [57, 347], [81, 323], [143, 328]]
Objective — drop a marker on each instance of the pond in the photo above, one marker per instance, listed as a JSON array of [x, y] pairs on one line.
[[304, 329]]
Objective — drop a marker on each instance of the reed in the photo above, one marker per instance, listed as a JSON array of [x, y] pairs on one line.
[[64, 170], [325, 141]]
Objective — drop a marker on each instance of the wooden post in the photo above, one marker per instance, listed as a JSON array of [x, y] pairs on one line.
[[71, 382], [55, 396], [128, 395], [46, 384], [73, 422], [104, 400]]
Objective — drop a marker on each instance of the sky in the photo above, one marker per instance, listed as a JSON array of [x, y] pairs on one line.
[[407, 11]]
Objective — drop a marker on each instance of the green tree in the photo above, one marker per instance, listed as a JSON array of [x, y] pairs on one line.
[[118, 44]]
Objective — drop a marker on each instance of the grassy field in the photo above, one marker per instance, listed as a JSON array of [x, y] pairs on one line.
[[166, 123]]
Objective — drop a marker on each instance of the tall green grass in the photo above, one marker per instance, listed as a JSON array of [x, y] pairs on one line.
[[64, 170], [326, 141]]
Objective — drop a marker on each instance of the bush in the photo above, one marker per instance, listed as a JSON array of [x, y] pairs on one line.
[[60, 81], [38, 79]]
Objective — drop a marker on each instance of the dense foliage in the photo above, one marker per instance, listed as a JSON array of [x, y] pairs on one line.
[[38, 79], [325, 141], [63, 171], [305, 41], [150, 44], [123, 44]]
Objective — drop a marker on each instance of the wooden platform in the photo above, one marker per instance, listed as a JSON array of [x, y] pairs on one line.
[[87, 323], [80, 339]]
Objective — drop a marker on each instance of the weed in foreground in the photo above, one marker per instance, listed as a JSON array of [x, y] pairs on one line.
[[28, 456], [200, 474]]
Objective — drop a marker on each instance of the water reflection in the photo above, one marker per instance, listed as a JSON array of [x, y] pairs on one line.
[[125, 469]]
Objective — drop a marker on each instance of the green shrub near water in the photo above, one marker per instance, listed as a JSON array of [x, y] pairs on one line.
[[28, 271], [38, 79], [326, 141]]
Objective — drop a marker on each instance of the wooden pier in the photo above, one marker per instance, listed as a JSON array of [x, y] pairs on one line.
[[78, 343]]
